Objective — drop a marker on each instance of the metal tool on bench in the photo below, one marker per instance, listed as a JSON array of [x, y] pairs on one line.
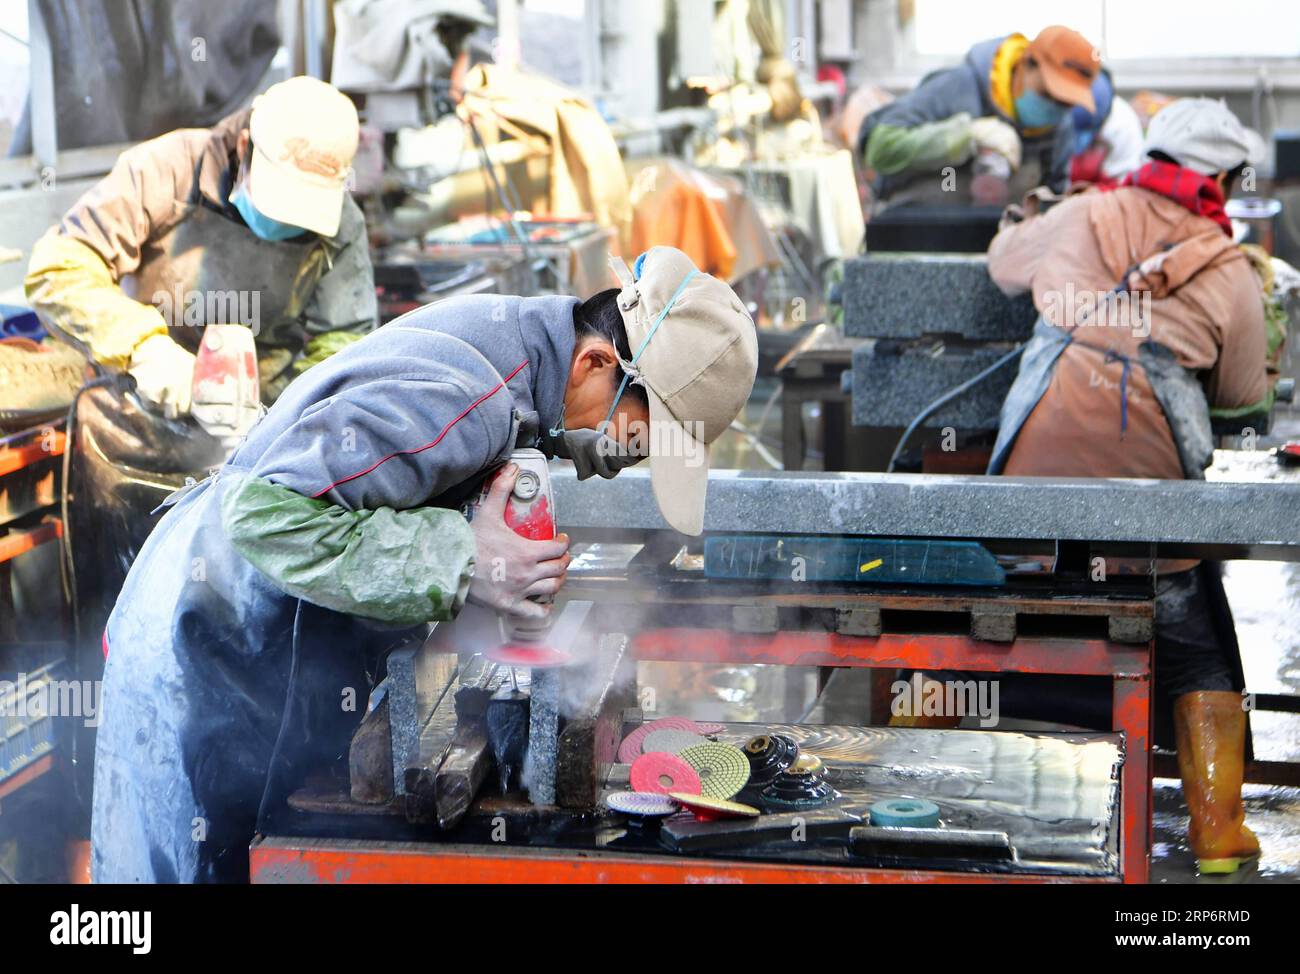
[[836, 827]]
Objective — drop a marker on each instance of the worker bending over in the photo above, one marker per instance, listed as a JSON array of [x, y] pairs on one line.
[[997, 115], [1150, 315], [247, 626]]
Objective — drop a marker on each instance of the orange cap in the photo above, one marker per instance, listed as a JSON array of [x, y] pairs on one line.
[[1069, 63]]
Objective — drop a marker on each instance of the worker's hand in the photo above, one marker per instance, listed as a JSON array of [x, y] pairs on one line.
[[164, 375], [994, 135], [593, 452], [510, 570], [1035, 202]]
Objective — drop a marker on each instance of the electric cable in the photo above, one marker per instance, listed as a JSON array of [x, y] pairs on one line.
[[284, 718], [953, 393]]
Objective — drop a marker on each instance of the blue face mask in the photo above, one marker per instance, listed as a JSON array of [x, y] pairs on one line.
[[1035, 111], [263, 226]]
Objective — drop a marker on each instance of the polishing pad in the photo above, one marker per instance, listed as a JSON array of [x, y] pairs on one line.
[[798, 789], [723, 768], [630, 749], [525, 655], [643, 803], [670, 740], [663, 773], [709, 727], [810, 763], [768, 756], [708, 809]]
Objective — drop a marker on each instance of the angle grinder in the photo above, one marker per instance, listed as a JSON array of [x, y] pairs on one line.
[[226, 398], [530, 513]]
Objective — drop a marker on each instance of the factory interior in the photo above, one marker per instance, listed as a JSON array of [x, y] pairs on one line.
[[684, 441]]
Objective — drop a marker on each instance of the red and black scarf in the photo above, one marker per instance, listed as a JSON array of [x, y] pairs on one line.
[[1187, 188]]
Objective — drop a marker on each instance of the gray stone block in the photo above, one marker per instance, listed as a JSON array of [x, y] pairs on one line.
[[892, 385], [543, 736], [914, 295]]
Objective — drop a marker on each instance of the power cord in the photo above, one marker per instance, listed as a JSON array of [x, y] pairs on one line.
[[284, 718], [954, 393]]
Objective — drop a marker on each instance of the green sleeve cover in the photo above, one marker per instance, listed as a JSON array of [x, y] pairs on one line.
[[894, 148], [401, 567]]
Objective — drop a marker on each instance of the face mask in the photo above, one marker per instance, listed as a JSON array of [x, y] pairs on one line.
[[1035, 111], [263, 226]]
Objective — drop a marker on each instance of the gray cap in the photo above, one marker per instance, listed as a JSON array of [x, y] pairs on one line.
[[1203, 135]]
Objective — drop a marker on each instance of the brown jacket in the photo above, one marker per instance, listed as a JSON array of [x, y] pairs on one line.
[[1203, 302]]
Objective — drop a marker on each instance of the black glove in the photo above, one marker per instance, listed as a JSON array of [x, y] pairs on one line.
[[592, 452]]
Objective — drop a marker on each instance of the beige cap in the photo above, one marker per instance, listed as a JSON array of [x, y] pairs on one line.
[[697, 369], [304, 134]]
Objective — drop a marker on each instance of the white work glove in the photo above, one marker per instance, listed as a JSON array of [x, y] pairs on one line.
[[594, 452], [992, 134], [164, 375], [511, 570]]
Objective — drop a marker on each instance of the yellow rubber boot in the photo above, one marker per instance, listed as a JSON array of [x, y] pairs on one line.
[[1211, 736]]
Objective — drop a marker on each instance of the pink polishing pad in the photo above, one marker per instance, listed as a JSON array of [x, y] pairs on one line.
[[661, 772], [532, 657], [709, 727], [630, 749]]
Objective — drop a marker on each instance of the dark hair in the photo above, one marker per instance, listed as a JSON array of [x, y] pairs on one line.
[[599, 317], [1229, 182]]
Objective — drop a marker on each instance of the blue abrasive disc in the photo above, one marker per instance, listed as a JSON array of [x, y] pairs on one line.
[[914, 813]]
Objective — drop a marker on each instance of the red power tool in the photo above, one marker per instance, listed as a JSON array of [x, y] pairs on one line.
[[530, 512], [227, 399]]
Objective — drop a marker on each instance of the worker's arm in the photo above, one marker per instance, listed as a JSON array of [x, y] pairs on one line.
[[1015, 252], [1239, 383], [893, 149], [72, 279], [928, 128], [332, 513]]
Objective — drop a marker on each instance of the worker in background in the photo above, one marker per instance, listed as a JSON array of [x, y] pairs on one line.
[[983, 131], [1103, 145], [1150, 315], [338, 518], [249, 221]]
